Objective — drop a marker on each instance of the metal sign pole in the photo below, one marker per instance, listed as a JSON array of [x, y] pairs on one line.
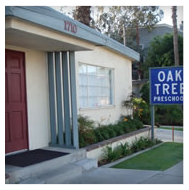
[[152, 122]]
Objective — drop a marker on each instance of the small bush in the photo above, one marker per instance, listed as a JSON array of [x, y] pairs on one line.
[[82, 142], [141, 144], [88, 134], [110, 154], [86, 131], [169, 115], [119, 129], [111, 131], [98, 135], [165, 114], [123, 150], [138, 124], [104, 132]]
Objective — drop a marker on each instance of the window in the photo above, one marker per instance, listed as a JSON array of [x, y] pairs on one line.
[[141, 46], [95, 86]]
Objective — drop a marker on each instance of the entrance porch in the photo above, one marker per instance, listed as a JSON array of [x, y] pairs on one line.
[[50, 77], [57, 170]]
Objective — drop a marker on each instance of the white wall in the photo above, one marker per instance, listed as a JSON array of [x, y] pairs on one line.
[[37, 97], [122, 82], [97, 153]]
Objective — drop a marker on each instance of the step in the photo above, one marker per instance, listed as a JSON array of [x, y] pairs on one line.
[[88, 164], [63, 174], [23, 173], [56, 176]]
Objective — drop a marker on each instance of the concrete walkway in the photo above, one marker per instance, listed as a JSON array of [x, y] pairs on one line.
[[173, 175]]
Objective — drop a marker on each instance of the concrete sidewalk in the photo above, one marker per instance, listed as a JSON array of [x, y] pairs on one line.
[[173, 175]]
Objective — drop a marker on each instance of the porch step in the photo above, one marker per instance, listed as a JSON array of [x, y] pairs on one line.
[[64, 173], [18, 174], [87, 164]]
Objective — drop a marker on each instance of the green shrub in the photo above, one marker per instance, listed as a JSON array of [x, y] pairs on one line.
[[169, 115], [111, 131], [130, 124], [119, 129], [88, 134], [141, 144], [86, 131], [89, 137], [109, 154], [104, 132], [98, 135], [138, 124], [141, 110], [145, 93], [125, 150], [164, 114], [112, 155], [82, 142], [85, 123]]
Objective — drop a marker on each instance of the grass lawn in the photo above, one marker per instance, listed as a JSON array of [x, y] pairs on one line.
[[175, 128], [160, 158]]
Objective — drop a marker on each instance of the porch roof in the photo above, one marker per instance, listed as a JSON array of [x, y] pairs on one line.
[[50, 18]]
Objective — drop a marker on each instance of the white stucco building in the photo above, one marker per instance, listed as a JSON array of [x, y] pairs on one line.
[[57, 68]]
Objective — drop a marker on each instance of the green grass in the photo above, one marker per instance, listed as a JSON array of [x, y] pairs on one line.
[[175, 128], [160, 158]]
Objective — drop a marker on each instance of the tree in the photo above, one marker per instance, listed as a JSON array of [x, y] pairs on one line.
[[175, 35], [83, 14], [118, 20], [161, 52]]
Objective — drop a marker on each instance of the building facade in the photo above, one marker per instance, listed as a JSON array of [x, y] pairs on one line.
[[56, 69]]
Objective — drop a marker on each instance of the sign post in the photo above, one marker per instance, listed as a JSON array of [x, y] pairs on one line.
[[166, 88], [152, 122]]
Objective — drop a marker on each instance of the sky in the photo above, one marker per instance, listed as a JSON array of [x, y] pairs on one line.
[[167, 19], [168, 13]]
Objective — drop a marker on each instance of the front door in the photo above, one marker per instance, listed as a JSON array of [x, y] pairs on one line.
[[15, 102]]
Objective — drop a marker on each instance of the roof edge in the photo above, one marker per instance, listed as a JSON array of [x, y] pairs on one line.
[[50, 18]]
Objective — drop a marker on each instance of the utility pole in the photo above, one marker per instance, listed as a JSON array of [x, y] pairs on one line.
[[175, 35]]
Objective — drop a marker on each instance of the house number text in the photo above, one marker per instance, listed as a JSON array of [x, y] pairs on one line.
[[70, 27]]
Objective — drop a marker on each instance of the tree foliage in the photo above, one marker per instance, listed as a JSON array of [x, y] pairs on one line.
[[114, 20], [161, 52], [128, 18]]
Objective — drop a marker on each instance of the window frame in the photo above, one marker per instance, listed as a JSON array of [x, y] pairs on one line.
[[112, 87]]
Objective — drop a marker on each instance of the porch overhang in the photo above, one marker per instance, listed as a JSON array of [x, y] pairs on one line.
[[24, 34], [54, 21]]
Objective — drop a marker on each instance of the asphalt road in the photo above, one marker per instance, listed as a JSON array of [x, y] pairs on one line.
[[166, 135]]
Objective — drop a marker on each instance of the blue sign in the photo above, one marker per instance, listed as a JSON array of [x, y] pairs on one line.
[[166, 85]]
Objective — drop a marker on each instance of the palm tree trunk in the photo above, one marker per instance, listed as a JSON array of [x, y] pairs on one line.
[[175, 35], [124, 37], [137, 35], [82, 14]]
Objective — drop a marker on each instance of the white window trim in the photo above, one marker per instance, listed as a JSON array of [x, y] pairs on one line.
[[113, 88], [99, 107]]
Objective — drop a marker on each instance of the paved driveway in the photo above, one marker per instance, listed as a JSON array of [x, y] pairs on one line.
[[166, 135]]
